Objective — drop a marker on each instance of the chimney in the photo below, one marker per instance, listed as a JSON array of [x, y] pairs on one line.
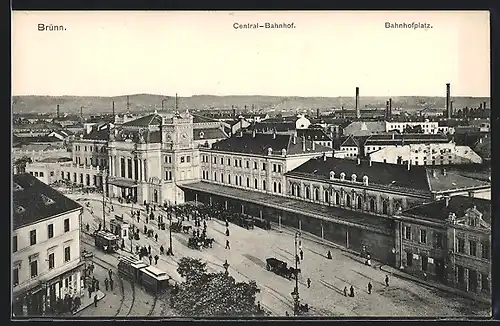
[[409, 164], [254, 133], [303, 143], [359, 161], [245, 108], [253, 107], [393, 136], [358, 112], [448, 112], [313, 145], [317, 113], [447, 201], [444, 172], [434, 174], [294, 139], [387, 110], [81, 113], [370, 160], [176, 103], [113, 109], [484, 105], [57, 111], [390, 107], [274, 134], [234, 111], [324, 157]]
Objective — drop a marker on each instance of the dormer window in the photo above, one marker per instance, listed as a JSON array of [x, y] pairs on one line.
[[332, 175], [365, 180], [17, 187], [20, 209], [342, 176], [47, 200], [353, 178]]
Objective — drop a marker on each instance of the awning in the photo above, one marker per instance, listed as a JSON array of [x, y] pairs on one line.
[[123, 183]]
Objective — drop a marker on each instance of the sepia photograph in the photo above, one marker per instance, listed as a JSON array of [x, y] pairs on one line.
[[243, 165]]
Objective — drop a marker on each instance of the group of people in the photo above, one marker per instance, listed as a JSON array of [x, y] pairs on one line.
[[369, 287]]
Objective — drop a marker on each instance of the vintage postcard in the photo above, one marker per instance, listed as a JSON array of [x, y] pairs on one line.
[[251, 164]]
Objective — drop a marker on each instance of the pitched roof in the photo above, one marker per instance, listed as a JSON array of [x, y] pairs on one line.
[[457, 204], [209, 133], [350, 141], [34, 201], [396, 139], [97, 134], [452, 180], [259, 145], [364, 127], [388, 175], [201, 119], [267, 126], [153, 119]]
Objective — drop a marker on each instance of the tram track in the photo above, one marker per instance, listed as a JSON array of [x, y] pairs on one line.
[[150, 313]]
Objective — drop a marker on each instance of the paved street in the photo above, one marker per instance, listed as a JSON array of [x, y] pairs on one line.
[[249, 250]]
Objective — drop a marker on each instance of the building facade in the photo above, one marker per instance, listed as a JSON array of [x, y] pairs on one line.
[[448, 241], [45, 247], [428, 127]]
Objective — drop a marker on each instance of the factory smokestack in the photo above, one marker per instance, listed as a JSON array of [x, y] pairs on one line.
[[58, 111], [317, 113], [128, 104], [176, 104], [358, 112], [448, 111], [390, 108], [234, 111], [113, 109], [81, 113], [451, 108], [387, 110], [484, 105]]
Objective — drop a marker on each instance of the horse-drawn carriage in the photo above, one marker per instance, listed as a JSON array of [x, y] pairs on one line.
[[176, 226], [244, 222], [280, 267], [200, 242]]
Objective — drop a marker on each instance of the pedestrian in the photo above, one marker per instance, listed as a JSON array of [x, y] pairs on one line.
[[138, 218], [147, 220], [227, 224], [386, 280], [297, 259], [150, 260], [329, 255], [227, 244], [110, 273], [149, 249], [345, 291], [87, 227], [301, 255], [286, 313], [204, 224], [106, 283], [308, 282], [227, 232], [161, 250], [95, 300], [352, 292], [425, 276], [111, 282], [97, 285], [370, 287], [156, 259], [156, 237], [90, 291], [145, 229], [198, 233]]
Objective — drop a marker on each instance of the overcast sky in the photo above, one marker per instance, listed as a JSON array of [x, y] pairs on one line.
[[189, 53]]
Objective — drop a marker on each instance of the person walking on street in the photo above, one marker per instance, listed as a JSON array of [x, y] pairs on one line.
[[370, 287], [352, 292], [162, 250], [138, 218], [301, 255], [227, 224], [149, 249], [156, 259], [90, 291], [308, 282], [150, 260], [329, 255], [110, 273], [97, 285], [87, 227], [111, 282], [345, 291], [386, 280], [227, 244], [227, 232], [106, 283], [95, 300], [156, 237]]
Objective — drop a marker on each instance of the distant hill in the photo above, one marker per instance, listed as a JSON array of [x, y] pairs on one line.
[[149, 102]]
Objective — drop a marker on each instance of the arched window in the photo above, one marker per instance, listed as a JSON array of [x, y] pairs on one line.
[[222, 177], [372, 205], [337, 198], [298, 191], [316, 194], [308, 194], [279, 187], [229, 178], [274, 186], [326, 195], [359, 203], [248, 182], [348, 200], [255, 183], [240, 180], [385, 207], [294, 189]]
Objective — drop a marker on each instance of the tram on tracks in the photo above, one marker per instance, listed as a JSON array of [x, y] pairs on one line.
[[130, 268], [153, 279], [106, 241]]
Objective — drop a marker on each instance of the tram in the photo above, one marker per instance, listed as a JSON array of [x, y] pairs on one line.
[[130, 267], [106, 241], [154, 279]]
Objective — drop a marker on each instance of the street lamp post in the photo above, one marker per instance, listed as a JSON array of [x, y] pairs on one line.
[[295, 292], [104, 178], [170, 251]]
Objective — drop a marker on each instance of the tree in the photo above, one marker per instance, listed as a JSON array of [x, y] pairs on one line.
[[212, 294], [20, 164]]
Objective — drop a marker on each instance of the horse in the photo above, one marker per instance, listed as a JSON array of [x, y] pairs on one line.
[[186, 228], [208, 242]]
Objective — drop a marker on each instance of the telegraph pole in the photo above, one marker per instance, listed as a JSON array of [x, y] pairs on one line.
[[103, 202], [295, 293]]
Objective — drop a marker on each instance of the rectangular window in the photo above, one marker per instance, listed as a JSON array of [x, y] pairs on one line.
[[263, 166], [407, 232], [439, 240], [122, 167], [423, 236], [485, 250], [50, 231], [235, 162], [255, 165], [485, 283], [214, 160], [461, 245], [14, 243], [255, 184], [279, 168], [248, 164], [240, 163], [274, 168], [32, 237], [41, 174], [183, 159], [229, 162], [15, 276], [222, 177], [34, 268], [66, 225], [221, 161], [51, 173], [51, 261], [67, 254], [472, 248], [188, 159]]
